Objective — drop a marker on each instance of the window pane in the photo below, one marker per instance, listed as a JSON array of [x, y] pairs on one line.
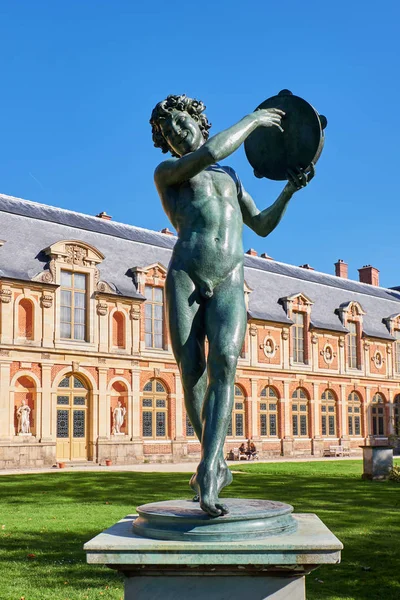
[[272, 425], [65, 330], [79, 300], [66, 279], [147, 311], [148, 340], [79, 424], [263, 424], [350, 426], [63, 400], [148, 387], [79, 316], [147, 402], [148, 292], [160, 424], [229, 432], [263, 406], [295, 425], [159, 387], [357, 425], [78, 383], [79, 401], [158, 294], [238, 405], [158, 311], [158, 327], [239, 425], [158, 341], [189, 428], [63, 423], [303, 425], [160, 403], [79, 281], [79, 332], [323, 425], [331, 425], [64, 382], [66, 298], [65, 314], [147, 424]]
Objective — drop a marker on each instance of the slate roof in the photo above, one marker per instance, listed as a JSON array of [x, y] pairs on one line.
[[29, 227]]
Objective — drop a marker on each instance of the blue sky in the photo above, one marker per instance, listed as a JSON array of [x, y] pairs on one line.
[[80, 78]]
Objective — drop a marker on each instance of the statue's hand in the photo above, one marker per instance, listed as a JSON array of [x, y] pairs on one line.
[[269, 117], [299, 178]]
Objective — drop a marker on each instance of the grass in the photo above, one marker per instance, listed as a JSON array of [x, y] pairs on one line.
[[45, 520]]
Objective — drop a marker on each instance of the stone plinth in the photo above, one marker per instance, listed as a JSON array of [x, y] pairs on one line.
[[377, 462], [273, 567]]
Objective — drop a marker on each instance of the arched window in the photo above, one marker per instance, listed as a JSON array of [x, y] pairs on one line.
[[118, 330], [328, 414], [268, 412], [397, 415], [155, 410], [299, 413], [24, 398], [236, 425], [72, 418], [25, 319], [378, 415], [354, 413], [119, 406]]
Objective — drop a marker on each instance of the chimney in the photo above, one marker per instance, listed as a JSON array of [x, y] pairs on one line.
[[265, 255], [369, 275], [104, 215], [166, 231], [307, 266], [341, 269], [252, 252]]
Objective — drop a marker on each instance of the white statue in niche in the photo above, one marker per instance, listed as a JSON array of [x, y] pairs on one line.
[[23, 414], [119, 413]]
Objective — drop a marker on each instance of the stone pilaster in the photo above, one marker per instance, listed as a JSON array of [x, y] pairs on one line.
[[6, 419]]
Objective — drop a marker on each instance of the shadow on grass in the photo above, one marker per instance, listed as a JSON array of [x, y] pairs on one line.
[[53, 515]]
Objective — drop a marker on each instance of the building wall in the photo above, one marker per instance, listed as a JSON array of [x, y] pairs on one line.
[[114, 363]]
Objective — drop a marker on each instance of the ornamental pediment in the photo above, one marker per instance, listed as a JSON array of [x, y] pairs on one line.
[[296, 302], [392, 322], [75, 252], [350, 310], [156, 271]]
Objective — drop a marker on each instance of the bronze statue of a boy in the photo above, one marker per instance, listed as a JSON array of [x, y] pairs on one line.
[[207, 205]]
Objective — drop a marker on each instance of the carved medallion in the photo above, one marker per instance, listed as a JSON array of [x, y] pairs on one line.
[[101, 308], [46, 300], [5, 296]]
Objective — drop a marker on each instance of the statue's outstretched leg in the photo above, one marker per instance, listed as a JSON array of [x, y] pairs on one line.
[[225, 318]]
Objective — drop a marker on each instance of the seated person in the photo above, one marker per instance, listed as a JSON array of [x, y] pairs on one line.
[[242, 449], [251, 449]]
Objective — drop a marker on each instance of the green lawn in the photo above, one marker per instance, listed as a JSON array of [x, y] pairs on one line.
[[45, 520]]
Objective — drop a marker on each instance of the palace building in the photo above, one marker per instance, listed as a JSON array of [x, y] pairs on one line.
[[86, 367]]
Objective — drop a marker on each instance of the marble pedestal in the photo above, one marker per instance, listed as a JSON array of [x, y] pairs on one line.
[[271, 567]]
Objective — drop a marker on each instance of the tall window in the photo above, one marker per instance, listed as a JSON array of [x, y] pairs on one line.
[[298, 337], [268, 412], [397, 350], [397, 415], [378, 415], [154, 410], [236, 425], [354, 413], [73, 305], [328, 414], [154, 321], [299, 413], [352, 345]]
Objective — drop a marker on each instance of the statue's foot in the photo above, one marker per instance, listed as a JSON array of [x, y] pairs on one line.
[[225, 476], [206, 481]]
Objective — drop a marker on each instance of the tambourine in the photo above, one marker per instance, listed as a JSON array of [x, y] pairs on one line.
[[272, 153]]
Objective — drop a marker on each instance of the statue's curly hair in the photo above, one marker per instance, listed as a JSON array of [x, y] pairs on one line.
[[195, 108]]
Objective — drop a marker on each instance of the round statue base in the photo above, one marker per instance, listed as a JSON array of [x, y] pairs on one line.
[[183, 520]]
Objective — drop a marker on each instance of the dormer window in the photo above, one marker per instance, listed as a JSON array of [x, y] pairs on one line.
[[73, 306]]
